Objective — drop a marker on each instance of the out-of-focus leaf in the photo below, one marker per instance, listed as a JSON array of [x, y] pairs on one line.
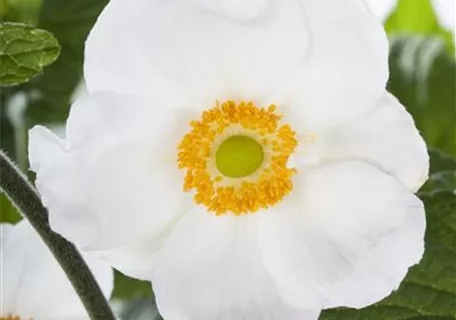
[[128, 288], [418, 17], [442, 174], [423, 78], [7, 139], [70, 21], [429, 290], [445, 180], [25, 11], [8, 212], [441, 161], [8, 12], [24, 52]]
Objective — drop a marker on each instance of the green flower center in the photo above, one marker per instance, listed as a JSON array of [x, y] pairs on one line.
[[239, 156]]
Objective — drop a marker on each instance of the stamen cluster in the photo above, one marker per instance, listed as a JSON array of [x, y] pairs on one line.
[[221, 194], [10, 317]]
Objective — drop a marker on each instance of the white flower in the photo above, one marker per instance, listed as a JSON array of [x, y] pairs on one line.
[[291, 192], [33, 284]]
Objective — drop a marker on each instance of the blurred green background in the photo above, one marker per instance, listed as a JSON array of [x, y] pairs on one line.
[[423, 77]]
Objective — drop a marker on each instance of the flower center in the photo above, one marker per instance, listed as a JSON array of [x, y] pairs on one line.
[[236, 158], [239, 156]]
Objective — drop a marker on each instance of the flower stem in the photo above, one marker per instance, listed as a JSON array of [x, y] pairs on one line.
[[24, 196]]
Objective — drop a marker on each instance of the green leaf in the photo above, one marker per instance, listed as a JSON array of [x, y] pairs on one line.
[[24, 52], [441, 181], [25, 11], [441, 161], [8, 213], [442, 173], [429, 290], [70, 21], [418, 17], [412, 16], [8, 12], [423, 78], [7, 137], [134, 298], [128, 288]]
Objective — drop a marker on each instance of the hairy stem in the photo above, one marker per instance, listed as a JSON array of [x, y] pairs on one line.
[[24, 196]]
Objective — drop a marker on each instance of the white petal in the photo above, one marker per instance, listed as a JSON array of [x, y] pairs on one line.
[[58, 182], [198, 47], [234, 9], [446, 12], [346, 67], [115, 179], [139, 258], [115, 57], [385, 265], [347, 235], [382, 9], [387, 138], [134, 260], [12, 256], [5, 231], [35, 283], [211, 268], [131, 196]]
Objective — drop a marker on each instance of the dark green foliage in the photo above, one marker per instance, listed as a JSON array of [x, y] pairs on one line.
[[418, 17], [423, 78], [127, 288], [70, 21]]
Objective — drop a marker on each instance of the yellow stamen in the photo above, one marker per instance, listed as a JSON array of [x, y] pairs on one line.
[[11, 317], [257, 182]]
